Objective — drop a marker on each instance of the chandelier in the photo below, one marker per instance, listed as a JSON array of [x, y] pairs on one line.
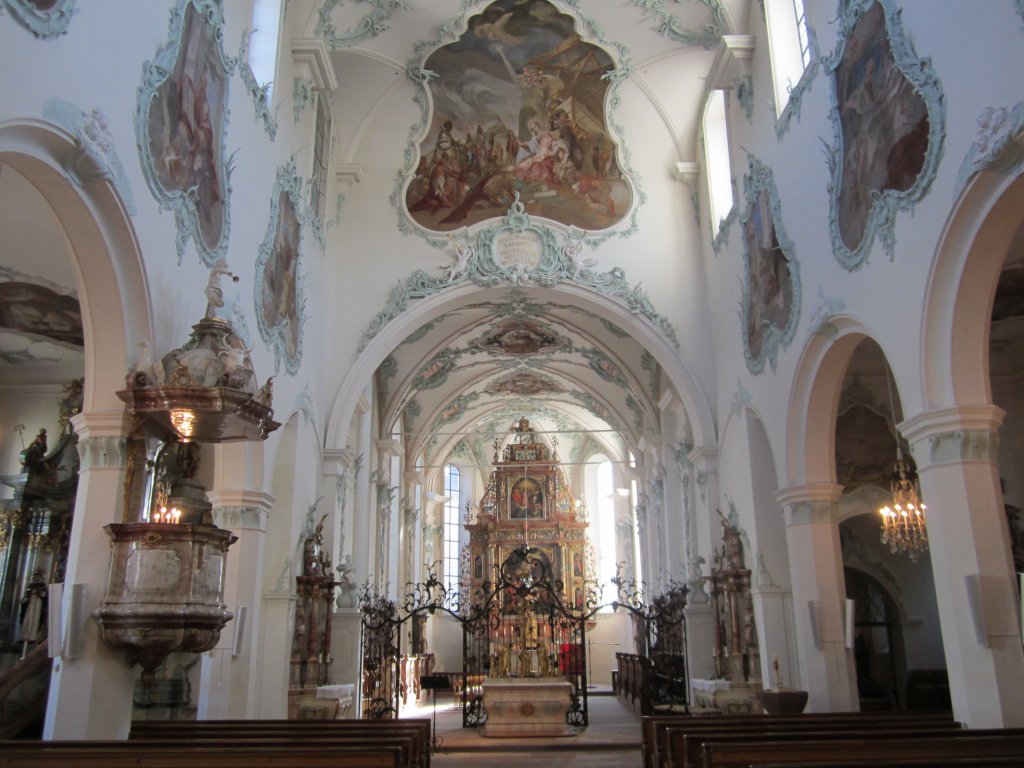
[[904, 523]]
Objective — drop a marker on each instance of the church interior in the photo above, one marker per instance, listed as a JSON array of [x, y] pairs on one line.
[[539, 356]]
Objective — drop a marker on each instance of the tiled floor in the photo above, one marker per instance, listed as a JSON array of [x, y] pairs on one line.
[[612, 740]]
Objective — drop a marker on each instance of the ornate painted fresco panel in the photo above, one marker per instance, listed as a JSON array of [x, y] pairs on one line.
[[279, 299], [180, 126], [888, 118], [38, 311], [771, 286], [45, 19], [518, 108]]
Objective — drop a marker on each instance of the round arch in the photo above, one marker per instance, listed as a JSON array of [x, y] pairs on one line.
[[961, 289], [105, 257], [814, 400], [423, 311]]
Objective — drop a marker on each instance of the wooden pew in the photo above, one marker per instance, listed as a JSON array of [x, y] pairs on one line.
[[415, 730], [685, 746], [655, 737], [931, 762], [867, 747], [178, 754]]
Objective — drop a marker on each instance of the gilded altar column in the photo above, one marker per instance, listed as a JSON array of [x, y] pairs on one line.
[[955, 450], [826, 665], [91, 685]]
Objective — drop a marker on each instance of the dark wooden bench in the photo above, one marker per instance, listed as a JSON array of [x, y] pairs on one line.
[[416, 731], [685, 746], [931, 762], [655, 736], [868, 747], [178, 754]]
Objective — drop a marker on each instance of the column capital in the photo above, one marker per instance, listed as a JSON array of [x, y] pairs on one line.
[[336, 460], [704, 458], [794, 494], [238, 508], [90, 424], [810, 503], [388, 447], [954, 435]]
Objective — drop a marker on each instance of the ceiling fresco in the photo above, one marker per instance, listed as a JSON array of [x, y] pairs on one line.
[[519, 108]]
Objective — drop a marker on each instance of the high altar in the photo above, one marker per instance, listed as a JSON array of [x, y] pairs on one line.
[[528, 541]]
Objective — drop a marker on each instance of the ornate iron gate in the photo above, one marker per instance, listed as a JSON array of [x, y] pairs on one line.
[[522, 625]]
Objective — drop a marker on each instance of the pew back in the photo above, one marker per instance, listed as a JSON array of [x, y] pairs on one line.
[[881, 750]]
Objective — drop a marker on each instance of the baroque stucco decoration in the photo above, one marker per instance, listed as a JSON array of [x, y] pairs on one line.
[[94, 157], [604, 201], [669, 25], [260, 93], [46, 19], [888, 119], [995, 148], [770, 308], [280, 294], [518, 252], [181, 127], [368, 26]]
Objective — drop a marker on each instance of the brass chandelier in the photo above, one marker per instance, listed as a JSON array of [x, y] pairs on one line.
[[904, 523]]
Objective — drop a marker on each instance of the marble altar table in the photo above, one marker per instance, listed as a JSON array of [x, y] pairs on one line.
[[527, 707]]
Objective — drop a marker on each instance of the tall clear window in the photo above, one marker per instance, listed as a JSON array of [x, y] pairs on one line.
[[321, 148], [266, 26], [789, 46], [605, 523], [716, 158], [450, 534]]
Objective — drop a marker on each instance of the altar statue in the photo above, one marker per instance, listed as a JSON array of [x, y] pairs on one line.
[[502, 661], [528, 634]]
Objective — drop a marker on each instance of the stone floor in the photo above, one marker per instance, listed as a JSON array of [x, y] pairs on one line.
[[611, 740]]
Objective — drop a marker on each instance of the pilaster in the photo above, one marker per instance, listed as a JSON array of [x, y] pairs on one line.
[[228, 679], [819, 596], [90, 695], [975, 583]]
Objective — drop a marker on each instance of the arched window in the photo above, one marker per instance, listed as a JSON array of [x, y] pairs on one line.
[[788, 44], [716, 159], [266, 26], [450, 533], [599, 489]]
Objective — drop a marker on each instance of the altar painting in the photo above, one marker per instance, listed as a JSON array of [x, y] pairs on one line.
[[884, 123], [526, 498], [518, 108], [182, 119]]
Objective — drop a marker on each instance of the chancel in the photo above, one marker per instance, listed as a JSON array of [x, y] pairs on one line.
[[402, 381]]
